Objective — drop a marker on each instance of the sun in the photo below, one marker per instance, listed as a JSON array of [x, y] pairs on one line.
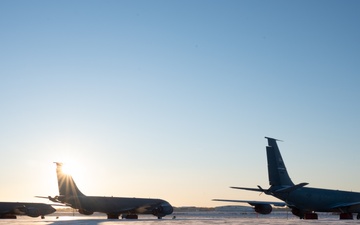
[[66, 168], [70, 168]]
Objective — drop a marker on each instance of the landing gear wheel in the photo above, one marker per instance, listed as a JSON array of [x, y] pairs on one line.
[[311, 216], [130, 216], [347, 216], [113, 216]]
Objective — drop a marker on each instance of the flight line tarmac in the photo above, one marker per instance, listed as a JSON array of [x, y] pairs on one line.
[[192, 218]]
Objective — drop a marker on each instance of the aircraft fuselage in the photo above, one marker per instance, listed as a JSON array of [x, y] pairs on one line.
[[322, 200], [118, 205], [304, 201]]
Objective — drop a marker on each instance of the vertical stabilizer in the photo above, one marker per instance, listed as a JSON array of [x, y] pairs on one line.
[[67, 186], [278, 175]]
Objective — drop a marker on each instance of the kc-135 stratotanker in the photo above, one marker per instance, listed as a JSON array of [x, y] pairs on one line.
[[128, 208], [303, 201]]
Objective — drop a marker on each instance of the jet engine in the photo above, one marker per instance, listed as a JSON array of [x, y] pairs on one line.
[[263, 208], [162, 210], [158, 210], [85, 212], [32, 212]]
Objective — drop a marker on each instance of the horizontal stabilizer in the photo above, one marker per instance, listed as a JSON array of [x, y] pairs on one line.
[[253, 203], [250, 189], [269, 138], [47, 197]]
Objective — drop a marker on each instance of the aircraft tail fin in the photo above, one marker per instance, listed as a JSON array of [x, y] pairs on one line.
[[66, 183], [278, 175]]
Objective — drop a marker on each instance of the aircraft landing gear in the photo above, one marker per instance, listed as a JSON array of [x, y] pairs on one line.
[[113, 216], [130, 216], [8, 216], [297, 212], [310, 216], [347, 216], [358, 216], [304, 215]]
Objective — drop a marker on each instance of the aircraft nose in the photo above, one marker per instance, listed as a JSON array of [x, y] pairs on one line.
[[50, 210], [167, 208], [162, 210]]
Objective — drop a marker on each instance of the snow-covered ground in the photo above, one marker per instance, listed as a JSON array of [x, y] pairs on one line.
[[192, 218]]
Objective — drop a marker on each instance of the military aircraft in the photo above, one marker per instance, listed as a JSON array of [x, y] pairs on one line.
[[303, 201], [9, 210], [129, 208]]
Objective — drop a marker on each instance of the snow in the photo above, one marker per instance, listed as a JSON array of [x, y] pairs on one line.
[[192, 218]]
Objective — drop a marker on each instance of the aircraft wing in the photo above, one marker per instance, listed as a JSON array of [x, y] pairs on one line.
[[346, 204], [253, 203]]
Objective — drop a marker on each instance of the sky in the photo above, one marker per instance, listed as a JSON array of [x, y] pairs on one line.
[[173, 99]]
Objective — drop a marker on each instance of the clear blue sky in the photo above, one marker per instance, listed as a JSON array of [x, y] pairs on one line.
[[172, 99]]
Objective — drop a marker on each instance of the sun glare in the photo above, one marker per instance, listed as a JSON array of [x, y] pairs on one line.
[[69, 168], [66, 169]]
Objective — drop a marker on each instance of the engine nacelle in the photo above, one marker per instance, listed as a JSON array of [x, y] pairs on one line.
[[32, 212], [158, 210], [85, 212], [263, 208]]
